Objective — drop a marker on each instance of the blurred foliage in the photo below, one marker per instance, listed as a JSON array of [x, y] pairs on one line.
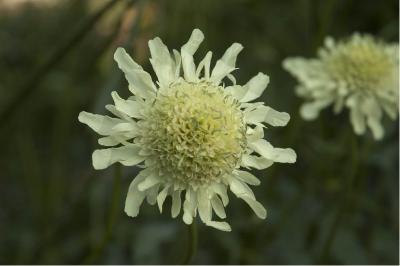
[[54, 208]]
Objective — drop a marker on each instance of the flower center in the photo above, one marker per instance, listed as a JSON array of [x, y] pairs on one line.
[[194, 132], [362, 64]]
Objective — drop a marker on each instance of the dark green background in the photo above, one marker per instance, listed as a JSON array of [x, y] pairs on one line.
[[54, 208]]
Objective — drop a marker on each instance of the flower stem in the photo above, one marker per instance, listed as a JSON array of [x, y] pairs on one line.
[[115, 198], [112, 216], [192, 243], [344, 204]]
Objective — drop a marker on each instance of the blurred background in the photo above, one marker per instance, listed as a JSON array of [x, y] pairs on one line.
[[56, 60]]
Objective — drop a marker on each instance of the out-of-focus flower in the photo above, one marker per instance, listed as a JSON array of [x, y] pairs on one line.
[[190, 133], [361, 73]]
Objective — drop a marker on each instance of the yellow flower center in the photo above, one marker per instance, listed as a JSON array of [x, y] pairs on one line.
[[361, 64], [194, 132]]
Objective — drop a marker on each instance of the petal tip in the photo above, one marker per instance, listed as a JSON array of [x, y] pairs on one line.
[[98, 159], [82, 116], [118, 52], [198, 34], [130, 213], [293, 157], [237, 46]]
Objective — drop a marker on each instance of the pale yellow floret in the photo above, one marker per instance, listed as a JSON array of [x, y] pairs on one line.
[[194, 131], [362, 65]]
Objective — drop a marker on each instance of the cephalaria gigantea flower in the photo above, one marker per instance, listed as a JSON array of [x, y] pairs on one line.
[[360, 73], [193, 137]]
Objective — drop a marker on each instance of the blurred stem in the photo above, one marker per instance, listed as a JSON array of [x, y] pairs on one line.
[[112, 216], [192, 243], [115, 198], [345, 204], [31, 84], [324, 19]]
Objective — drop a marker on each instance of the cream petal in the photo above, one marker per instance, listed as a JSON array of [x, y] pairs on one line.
[[117, 113], [139, 80], [309, 72], [310, 111], [256, 162], [152, 195], [286, 155], [162, 63], [247, 177], [187, 52], [329, 42], [373, 113], [255, 87], [223, 226], [251, 106], [327, 93], [102, 124], [178, 61], [134, 198], [218, 207], [124, 61], [128, 127], [240, 189], [133, 98], [353, 100], [176, 203], [108, 141], [205, 63], [145, 151], [236, 91], [204, 205], [266, 150], [226, 64], [338, 105], [231, 78], [254, 134], [357, 120], [151, 180], [258, 209], [131, 108], [221, 191], [371, 106], [126, 155], [161, 197], [276, 119], [268, 115], [376, 127], [113, 140], [187, 217], [189, 206]]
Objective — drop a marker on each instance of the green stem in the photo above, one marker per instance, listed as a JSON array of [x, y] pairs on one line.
[[344, 205], [192, 243], [112, 216], [115, 198], [325, 15]]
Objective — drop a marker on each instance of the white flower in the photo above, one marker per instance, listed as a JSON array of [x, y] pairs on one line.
[[190, 133], [360, 73]]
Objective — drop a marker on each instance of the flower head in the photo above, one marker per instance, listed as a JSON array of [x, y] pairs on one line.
[[189, 133], [360, 73]]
